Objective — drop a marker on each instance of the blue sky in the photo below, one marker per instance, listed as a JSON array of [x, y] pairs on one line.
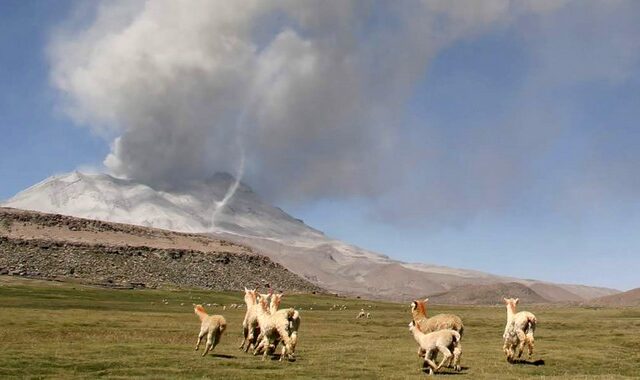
[[511, 146]]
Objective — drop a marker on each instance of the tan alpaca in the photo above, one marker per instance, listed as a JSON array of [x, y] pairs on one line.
[[435, 323], [518, 331], [445, 341], [250, 327], [210, 325], [293, 316], [274, 327]]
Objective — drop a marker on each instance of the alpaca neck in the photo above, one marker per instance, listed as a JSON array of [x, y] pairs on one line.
[[416, 334], [510, 314]]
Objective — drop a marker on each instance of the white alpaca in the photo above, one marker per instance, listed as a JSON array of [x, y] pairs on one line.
[[250, 328], [518, 331], [361, 314], [274, 327], [445, 341]]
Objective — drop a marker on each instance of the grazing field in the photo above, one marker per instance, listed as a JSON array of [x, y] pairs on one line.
[[61, 330]]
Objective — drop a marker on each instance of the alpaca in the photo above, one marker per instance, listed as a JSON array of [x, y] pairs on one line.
[[361, 314], [435, 323], [250, 328], [446, 341], [292, 315], [210, 325], [518, 331], [283, 324]]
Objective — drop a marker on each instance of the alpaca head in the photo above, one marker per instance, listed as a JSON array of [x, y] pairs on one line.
[[264, 296], [412, 325], [511, 303], [418, 307], [250, 296], [276, 299]]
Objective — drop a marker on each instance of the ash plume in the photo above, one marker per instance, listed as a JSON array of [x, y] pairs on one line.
[[165, 81]]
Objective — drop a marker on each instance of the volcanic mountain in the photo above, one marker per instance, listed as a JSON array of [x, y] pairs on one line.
[[247, 219]]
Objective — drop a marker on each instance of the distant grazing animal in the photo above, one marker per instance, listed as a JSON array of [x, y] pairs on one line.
[[361, 314], [518, 330], [445, 341], [210, 325]]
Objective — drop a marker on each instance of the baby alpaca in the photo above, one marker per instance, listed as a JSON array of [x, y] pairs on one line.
[[518, 330], [212, 326], [445, 341]]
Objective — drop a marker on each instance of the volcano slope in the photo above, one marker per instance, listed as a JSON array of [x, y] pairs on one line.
[[51, 246]]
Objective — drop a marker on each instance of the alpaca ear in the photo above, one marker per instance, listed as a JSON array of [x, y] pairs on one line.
[[505, 300], [426, 300], [517, 299], [414, 304]]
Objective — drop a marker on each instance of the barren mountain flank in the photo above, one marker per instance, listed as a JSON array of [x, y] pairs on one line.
[[52, 246]]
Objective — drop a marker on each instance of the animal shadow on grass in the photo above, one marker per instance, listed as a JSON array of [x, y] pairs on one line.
[[536, 363], [224, 356], [449, 372]]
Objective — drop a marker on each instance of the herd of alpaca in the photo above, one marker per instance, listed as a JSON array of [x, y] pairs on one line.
[[265, 325]]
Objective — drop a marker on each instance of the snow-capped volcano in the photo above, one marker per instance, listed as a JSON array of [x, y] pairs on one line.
[[191, 209], [246, 218]]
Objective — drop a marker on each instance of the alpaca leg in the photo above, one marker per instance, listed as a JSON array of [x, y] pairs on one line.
[[267, 349], [530, 344], [284, 335], [245, 335], [256, 342], [216, 339], [260, 346], [447, 355], [200, 336], [427, 360], [421, 352], [250, 338], [207, 348], [522, 339], [457, 352]]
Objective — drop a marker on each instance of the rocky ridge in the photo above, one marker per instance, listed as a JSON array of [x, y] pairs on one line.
[[50, 246]]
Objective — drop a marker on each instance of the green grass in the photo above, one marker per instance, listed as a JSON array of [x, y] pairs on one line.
[[53, 330]]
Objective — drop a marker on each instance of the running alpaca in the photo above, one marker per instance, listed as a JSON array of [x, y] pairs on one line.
[[273, 327], [446, 341], [212, 326], [292, 315], [435, 323], [250, 328], [518, 330]]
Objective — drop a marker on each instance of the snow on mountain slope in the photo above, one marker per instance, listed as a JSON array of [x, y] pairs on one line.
[[100, 196], [247, 219]]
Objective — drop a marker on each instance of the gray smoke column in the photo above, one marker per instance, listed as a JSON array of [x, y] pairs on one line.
[[166, 81]]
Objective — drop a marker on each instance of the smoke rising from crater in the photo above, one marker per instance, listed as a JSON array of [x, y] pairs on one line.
[[329, 82]]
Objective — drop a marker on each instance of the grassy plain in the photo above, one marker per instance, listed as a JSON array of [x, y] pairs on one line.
[[56, 330]]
